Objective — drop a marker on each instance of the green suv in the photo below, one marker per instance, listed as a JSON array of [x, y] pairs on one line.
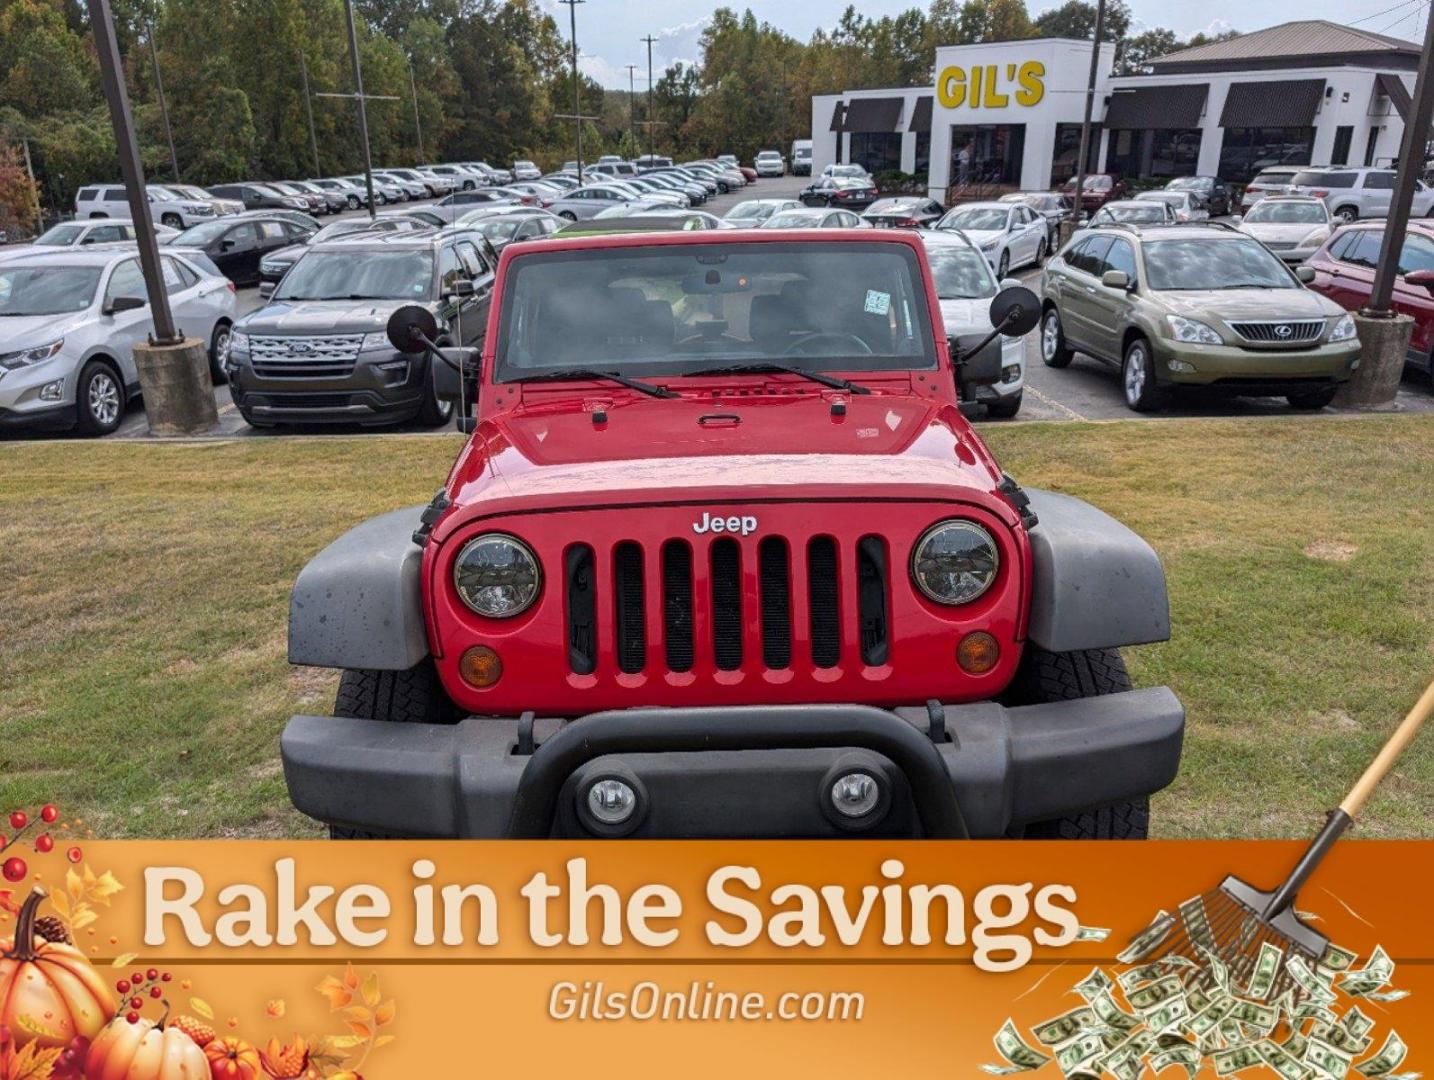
[[1194, 304]]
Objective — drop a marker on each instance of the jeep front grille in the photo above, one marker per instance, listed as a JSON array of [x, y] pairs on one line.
[[307, 357], [1288, 332], [841, 591]]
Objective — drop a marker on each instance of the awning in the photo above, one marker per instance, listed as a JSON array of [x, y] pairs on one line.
[[921, 115], [1392, 87], [1287, 103], [836, 116], [872, 114], [1164, 107]]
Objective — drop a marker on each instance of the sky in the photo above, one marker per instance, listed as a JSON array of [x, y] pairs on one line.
[[609, 30]]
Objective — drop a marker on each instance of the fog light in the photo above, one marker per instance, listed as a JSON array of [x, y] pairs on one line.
[[480, 667], [977, 653], [1183, 366], [53, 391], [611, 802], [855, 794]]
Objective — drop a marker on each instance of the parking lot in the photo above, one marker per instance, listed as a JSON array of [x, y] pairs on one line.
[[1086, 390]]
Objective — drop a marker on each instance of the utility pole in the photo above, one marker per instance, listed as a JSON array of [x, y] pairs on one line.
[[34, 187], [1089, 106], [631, 101], [577, 107], [309, 113], [163, 108], [650, 115], [417, 123], [363, 112]]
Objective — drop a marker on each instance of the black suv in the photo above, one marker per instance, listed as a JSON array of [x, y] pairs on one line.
[[318, 353]]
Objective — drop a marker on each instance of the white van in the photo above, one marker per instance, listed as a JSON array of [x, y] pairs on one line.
[[166, 207], [802, 157]]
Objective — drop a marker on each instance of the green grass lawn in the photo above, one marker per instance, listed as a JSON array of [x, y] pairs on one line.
[[144, 590]]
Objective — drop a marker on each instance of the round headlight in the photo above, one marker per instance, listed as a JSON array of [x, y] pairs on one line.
[[497, 575], [954, 562]]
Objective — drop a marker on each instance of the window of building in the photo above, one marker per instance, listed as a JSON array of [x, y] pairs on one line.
[[1343, 136], [923, 153], [987, 154], [1245, 151], [1067, 150], [1153, 152], [1371, 144], [876, 151]]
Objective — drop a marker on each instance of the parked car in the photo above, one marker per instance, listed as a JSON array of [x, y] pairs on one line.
[[1133, 212], [1344, 272], [463, 179], [814, 218], [236, 246], [84, 233], [1100, 188], [1194, 305], [561, 180], [904, 211], [638, 215], [274, 264], [438, 183], [1294, 227], [416, 184], [1268, 181], [1351, 194], [317, 351], [726, 178], [651, 187], [466, 200], [653, 161], [695, 193], [199, 195], [770, 163], [613, 170], [750, 213], [728, 159], [412, 189], [1051, 206], [166, 208], [260, 197], [586, 201], [354, 197], [852, 171], [707, 183], [870, 532], [1010, 235], [802, 157], [69, 321], [1211, 193], [1183, 204], [504, 229], [293, 217], [848, 191], [384, 191], [313, 204], [482, 213], [333, 200], [965, 287], [526, 170], [421, 214]]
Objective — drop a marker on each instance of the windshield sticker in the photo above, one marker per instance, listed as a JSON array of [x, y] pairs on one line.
[[877, 303]]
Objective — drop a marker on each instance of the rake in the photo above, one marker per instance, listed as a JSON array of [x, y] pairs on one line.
[[1233, 921]]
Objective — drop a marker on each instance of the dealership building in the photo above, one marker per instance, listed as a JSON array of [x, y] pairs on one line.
[[1008, 115]]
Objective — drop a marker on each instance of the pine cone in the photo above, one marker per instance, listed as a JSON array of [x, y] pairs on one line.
[[197, 1030], [52, 929]]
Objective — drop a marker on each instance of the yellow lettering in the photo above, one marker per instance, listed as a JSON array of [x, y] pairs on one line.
[[994, 98], [951, 88], [1031, 77], [976, 74]]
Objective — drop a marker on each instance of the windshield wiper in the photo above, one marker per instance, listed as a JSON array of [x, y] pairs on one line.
[[788, 369], [572, 374]]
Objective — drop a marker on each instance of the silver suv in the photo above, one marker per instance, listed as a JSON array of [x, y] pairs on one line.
[[1351, 194]]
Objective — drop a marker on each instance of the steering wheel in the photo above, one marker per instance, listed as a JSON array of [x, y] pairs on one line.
[[799, 348]]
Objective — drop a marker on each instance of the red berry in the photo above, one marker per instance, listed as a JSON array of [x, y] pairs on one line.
[[74, 854], [122, 986], [136, 1003], [137, 978], [165, 977], [132, 1017], [49, 812], [152, 974], [68, 1058], [44, 843], [19, 819], [14, 869], [155, 992]]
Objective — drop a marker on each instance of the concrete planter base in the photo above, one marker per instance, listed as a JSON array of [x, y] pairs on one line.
[[1383, 343], [178, 392]]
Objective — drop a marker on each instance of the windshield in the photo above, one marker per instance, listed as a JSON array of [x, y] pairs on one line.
[[961, 273], [47, 290], [1174, 198], [1269, 212], [189, 192], [370, 275], [663, 310], [496, 229], [60, 236], [200, 235], [1188, 183], [846, 170], [1129, 213], [987, 220], [1214, 264], [754, 211], [340, 228]]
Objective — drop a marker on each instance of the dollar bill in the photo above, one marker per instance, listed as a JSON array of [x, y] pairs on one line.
[[1259, 1016], [1376, 973], [1094, 984], [1092, 933], [1387, 995], [1197, 998], [1308, 981], [1079, 1052], [1236, 1058], [1355, 1022], [1149, 939], [1313, 1010], [1145, 998], [1296, 1044], [1328, 1059], [1112, 1015], [1208, 1019], [1219, 973], [1010, 1045], [1336, 959], [1186, 1056], [1340, 1038], [1144, 973], [1168, 1015], [1063, 1028], [1267, 966], [1197, 923], [1390, 1057], [1281, 1060]]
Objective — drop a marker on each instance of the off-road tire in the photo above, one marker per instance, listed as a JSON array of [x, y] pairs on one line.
[[1312, 399], [1055, 353], [1045, 677]]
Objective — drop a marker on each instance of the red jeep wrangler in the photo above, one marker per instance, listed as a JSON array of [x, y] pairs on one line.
[[723, 558]]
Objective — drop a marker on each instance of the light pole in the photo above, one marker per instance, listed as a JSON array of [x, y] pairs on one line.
[[650, 116], [1085, 122], [631, 101], [358, 97], [417, 123], [309, 112], [163, 108], [576, 116]]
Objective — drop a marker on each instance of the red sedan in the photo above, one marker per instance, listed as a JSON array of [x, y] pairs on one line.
[[1344, 271], [1100, 188]]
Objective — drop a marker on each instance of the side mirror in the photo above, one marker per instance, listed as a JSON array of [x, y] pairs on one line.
[[124, 303], [408, 326], [461, 287], [1305, 273], [1237, 218], [1015, 311], [1420, 277], [226, 245], [1010, 283], [266, 290], [1115, 279]]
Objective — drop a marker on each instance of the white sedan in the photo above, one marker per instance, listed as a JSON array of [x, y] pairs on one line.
[[1181, 202], [1294, 227], [1008, 234], [69, 321]]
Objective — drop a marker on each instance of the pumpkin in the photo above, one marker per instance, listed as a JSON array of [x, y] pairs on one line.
[[49, 993], [232, 1059], [144, 1050]]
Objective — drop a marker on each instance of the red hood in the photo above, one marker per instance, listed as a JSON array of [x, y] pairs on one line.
[[547, 452]]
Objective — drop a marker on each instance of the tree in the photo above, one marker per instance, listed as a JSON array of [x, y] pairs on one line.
[[1076, 19], [17, 195], [45, 66], [1136, 52]]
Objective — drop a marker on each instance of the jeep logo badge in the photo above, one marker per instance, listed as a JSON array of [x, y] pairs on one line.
[[742, 526], [1283, 330]]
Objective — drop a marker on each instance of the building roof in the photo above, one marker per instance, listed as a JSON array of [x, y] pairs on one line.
[[1304, 43]]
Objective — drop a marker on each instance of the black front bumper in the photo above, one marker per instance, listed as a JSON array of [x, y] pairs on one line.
[[749, 771]]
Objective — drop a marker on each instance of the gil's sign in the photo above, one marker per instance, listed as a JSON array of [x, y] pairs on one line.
[[992, 86]]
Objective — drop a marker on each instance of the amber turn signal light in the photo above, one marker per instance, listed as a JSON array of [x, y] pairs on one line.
[[480, 667], [977, 653]]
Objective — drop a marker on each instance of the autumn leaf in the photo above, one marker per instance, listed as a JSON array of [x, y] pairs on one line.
[[384, 1014], [363, 1031], [351, 979], [7, 902], [103, 888], [202, 1007], [359, 1013], [276, 1008], [33, 1063], [335, 1043], [371, 994], [74, 885], [383, 1040], [337, 993], [123, 960], [61, 903], [84, 915]]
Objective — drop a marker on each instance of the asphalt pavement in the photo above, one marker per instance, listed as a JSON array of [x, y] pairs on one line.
[[1086, 390]]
